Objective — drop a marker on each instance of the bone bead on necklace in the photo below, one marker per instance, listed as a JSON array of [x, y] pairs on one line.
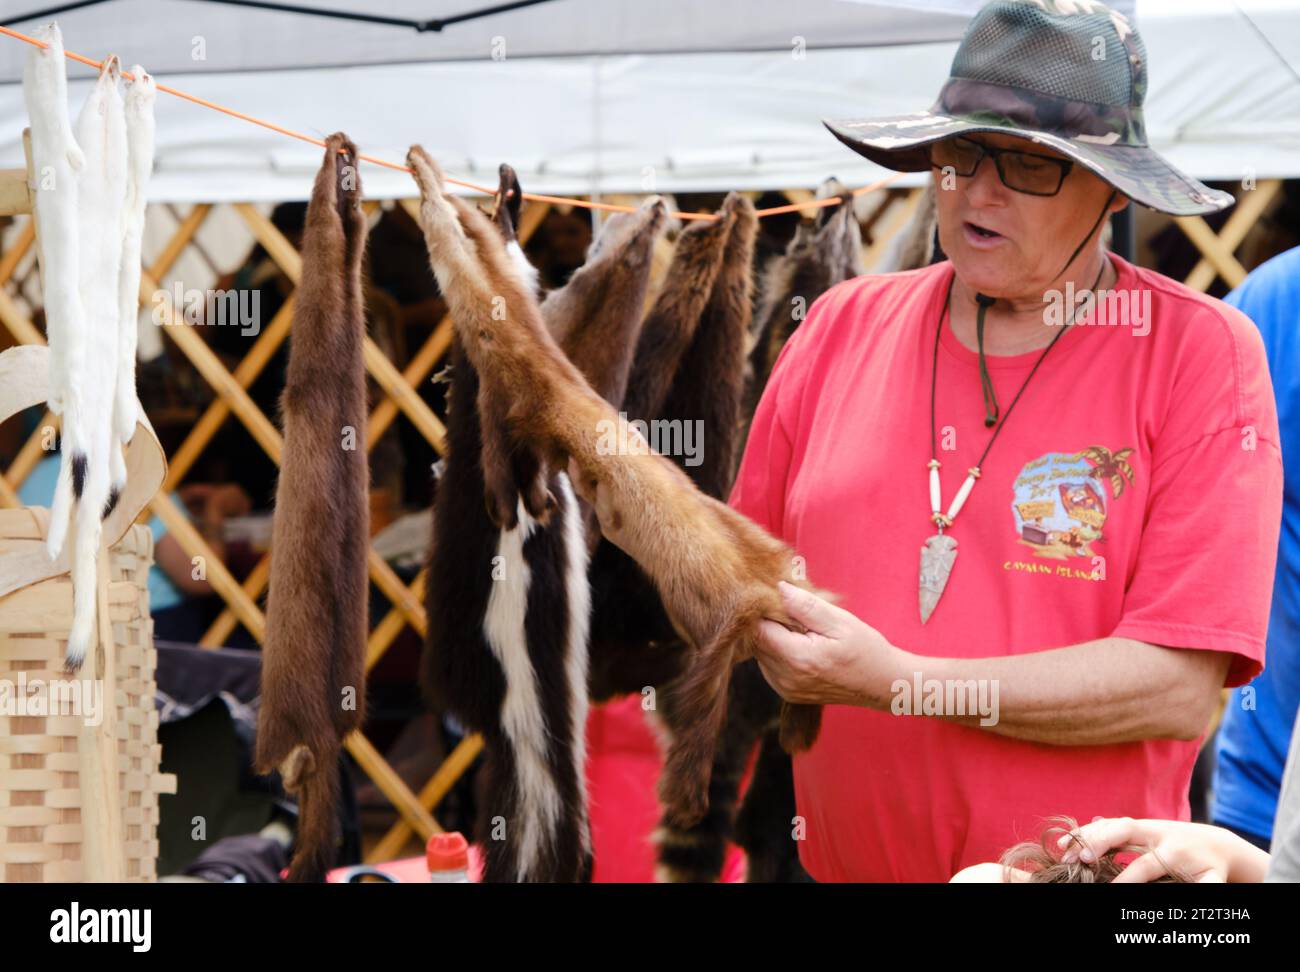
[[939, 552]]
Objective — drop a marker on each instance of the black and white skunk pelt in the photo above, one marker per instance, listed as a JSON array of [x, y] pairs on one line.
[[508, 598]]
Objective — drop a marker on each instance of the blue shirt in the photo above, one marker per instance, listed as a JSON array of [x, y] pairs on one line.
[[1256, 728], [38, 490]]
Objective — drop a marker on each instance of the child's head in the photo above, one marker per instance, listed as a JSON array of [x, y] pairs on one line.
[[1040, 861]]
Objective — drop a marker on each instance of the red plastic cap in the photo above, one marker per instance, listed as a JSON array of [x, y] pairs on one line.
[[447, 852]]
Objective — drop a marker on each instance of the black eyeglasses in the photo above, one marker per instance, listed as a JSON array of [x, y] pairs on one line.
[[1028, 172]]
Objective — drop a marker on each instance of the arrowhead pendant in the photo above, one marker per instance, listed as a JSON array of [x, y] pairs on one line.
[[937, 557]]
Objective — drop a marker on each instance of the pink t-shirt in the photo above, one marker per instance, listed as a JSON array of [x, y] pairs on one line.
[[1135, 491]]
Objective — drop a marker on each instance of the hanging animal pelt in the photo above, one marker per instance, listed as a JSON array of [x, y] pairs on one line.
[[686, 379], [88, 385], [57, 164], [823, 252], [313, 658], [513, 475], [507, 645], [914, 245], [509, 602], [634, 643], [670, 326], [141, 93], [705, 398], [715, 570], [596, 317]]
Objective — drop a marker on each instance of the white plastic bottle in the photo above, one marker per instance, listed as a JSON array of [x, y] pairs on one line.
[[448, 858]]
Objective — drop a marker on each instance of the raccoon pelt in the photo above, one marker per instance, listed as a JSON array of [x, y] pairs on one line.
[[706, 391], [687, 378], [634, 644], [823, 252], [914, 246], [762, 823], [509, 607], [83, 493], [596, 317], [313, 658], [715, 570], [687, 375]]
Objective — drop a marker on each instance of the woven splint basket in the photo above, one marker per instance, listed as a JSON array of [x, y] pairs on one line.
[[79, 779], [79, 754]]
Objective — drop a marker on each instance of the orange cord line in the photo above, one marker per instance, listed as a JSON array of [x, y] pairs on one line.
[[536, 197]]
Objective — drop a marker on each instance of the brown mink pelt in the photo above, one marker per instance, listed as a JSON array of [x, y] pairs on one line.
[[313, 659]]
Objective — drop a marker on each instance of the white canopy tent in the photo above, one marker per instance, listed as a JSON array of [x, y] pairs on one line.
[[602, 96]]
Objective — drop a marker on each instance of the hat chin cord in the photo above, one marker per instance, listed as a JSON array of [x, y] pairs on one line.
[[985, 302]]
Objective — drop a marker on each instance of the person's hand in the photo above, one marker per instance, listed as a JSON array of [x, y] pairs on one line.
[[1203, 853], [840, 660]]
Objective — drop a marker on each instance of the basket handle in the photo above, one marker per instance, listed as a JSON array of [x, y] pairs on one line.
[[24, 382]]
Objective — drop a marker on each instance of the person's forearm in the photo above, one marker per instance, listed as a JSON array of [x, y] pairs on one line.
[[1112, 690]]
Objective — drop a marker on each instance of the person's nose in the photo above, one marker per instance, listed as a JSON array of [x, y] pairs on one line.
[[984, 187]]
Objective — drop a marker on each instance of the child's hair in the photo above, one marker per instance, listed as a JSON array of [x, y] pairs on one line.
[[1042, 859]]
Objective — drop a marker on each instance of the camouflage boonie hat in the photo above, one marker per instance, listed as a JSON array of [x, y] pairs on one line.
[[1068, 74]]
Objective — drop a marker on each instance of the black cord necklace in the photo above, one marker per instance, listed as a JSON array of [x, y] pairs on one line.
[[940, 551]]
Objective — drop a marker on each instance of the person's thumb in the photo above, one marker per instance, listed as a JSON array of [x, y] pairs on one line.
[[817, 615]]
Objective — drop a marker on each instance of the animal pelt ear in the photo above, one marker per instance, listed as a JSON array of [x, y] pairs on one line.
[[508, 202]]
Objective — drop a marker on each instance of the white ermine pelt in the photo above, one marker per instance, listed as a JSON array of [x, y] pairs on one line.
[[140, 96], [57, 163], [88, 438]]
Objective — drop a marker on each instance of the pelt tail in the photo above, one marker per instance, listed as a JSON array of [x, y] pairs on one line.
[[702, 692], [85, 558], [315, 780]]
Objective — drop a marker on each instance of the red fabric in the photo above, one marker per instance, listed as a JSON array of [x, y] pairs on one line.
[[623, 763], [836, 465]]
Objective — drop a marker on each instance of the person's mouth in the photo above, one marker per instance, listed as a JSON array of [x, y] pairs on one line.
[[980, 236]]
